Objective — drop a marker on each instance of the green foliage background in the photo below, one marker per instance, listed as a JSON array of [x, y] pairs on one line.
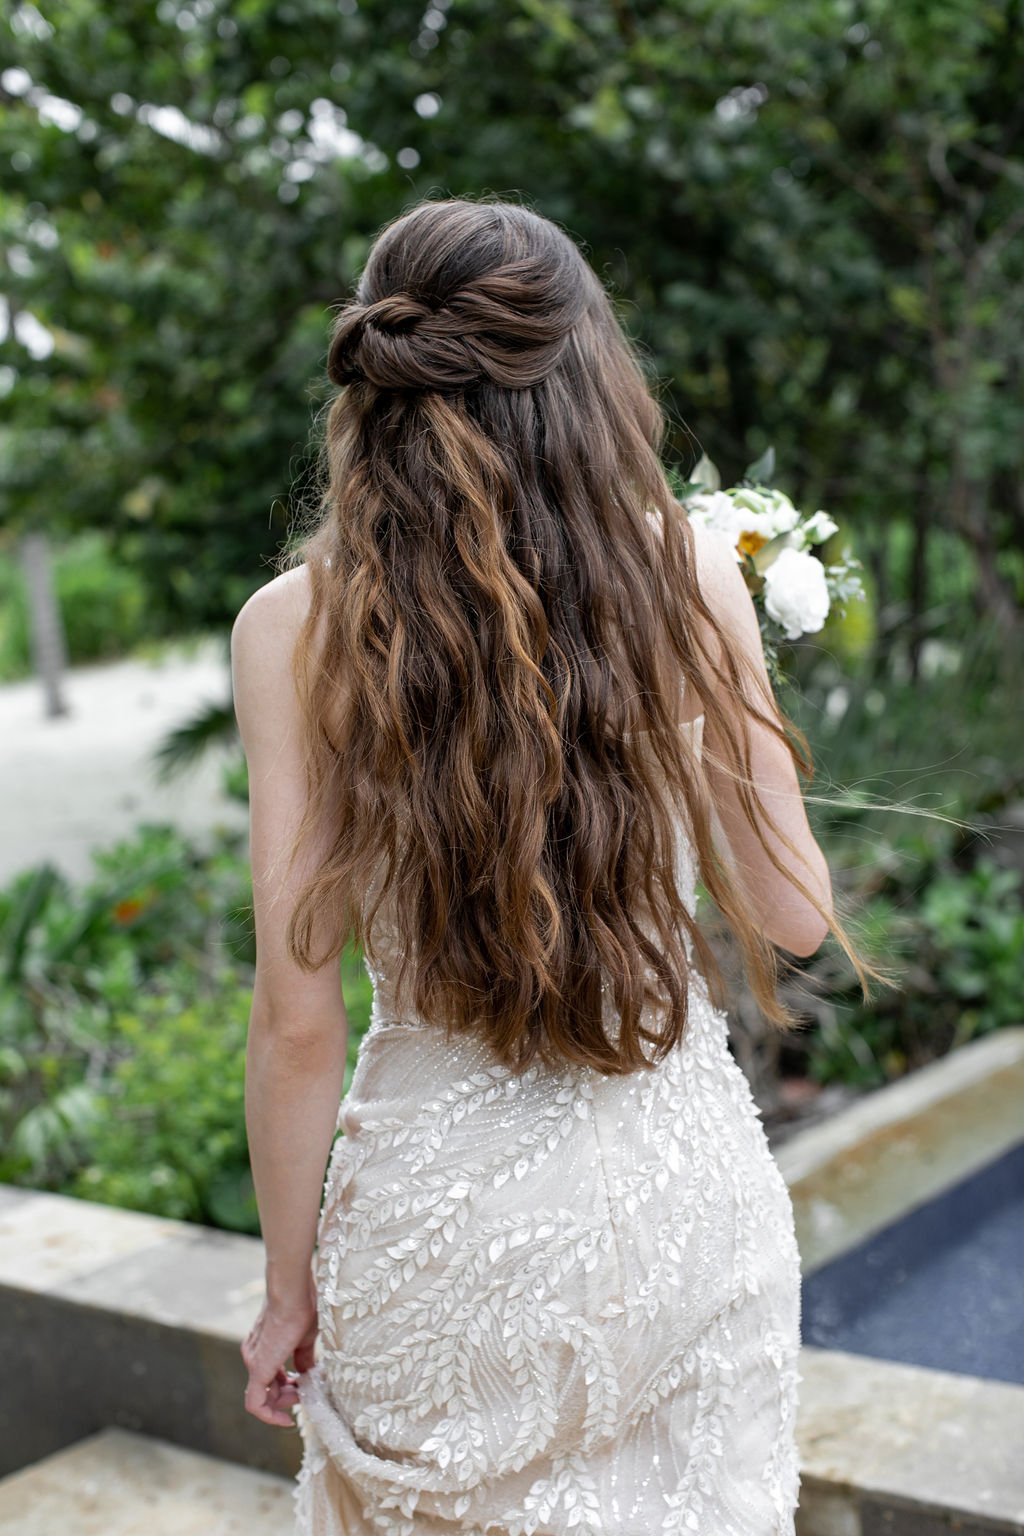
[[807, 214], [124, 1005], [811, 218]]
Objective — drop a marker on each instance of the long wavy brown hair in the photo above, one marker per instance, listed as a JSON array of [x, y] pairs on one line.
[[504, 615]]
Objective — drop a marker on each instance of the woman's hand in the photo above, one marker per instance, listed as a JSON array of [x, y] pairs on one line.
[[283, 1330]]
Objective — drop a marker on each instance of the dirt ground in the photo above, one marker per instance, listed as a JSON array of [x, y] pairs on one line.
[[87, 778]]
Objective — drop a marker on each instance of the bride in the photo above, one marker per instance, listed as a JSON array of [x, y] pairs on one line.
[[501, 712]]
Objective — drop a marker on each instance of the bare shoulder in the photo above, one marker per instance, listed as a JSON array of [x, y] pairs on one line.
[[276, 609], [718, 571], [263, 639]]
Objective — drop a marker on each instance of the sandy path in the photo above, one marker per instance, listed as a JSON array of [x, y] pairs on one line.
[[86, 778]]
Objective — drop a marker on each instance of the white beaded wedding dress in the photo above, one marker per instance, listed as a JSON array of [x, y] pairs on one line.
[[551, 1302]]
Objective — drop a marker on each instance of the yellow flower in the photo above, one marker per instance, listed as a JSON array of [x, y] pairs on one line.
[[750, 543]]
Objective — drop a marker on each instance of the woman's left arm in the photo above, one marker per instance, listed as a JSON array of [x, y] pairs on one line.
[[295, 1060]]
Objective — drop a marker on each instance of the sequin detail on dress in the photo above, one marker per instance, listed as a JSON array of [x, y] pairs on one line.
[[551, 1302]]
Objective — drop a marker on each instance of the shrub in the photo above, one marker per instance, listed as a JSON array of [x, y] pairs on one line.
[[958, 936], [123, 1014]]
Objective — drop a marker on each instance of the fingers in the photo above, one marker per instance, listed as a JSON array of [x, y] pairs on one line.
[[270, 1403], [272, 1390], [286, 1387], [304, 1355]]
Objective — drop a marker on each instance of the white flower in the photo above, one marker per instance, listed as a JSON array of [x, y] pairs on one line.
[[796, 592], [766, 512], [815, 530], [734, 513], [714, 509]]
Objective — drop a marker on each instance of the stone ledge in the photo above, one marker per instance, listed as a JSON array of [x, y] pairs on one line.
[[118, 1484], [887, 1447], [118, 1318], [147, 1267], [901, 1145]]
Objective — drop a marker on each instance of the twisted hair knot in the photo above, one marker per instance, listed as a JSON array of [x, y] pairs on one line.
[[509, 326]]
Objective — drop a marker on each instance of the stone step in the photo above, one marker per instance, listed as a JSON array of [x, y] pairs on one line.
[[121, 1484], [131, 1322]]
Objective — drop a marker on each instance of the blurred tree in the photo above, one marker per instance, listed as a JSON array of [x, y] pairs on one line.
[[807, 215]]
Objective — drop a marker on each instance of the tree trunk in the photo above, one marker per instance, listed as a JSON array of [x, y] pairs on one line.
[[995, 596], [917, 576], [46, 627]]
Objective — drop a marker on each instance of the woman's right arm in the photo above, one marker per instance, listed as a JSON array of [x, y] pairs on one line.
[[786, 917]]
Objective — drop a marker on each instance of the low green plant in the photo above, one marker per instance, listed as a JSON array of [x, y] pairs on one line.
[[957, 936], [124, 1003], [123, 1013], [166, 1132]]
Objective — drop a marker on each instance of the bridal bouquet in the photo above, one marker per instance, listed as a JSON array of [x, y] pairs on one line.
[[793, 590]]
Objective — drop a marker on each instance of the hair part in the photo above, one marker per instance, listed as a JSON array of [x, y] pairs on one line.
[[505, 611]]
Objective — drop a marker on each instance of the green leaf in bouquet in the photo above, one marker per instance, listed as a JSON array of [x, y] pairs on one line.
[[681, 489], [751, 574], [762, 471], [705, 475], [686, 489], [845, 584], [768, 551]]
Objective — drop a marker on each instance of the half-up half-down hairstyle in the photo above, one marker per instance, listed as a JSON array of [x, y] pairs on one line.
[[503, 620]]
